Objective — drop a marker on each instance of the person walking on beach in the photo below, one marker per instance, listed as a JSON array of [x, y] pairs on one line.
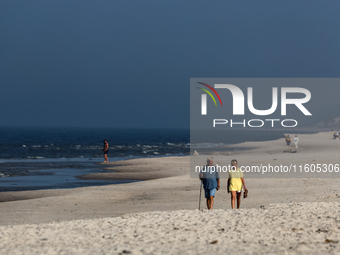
[[105, 150], [288, 141], [296, 141], [235, 182], [211, 181]]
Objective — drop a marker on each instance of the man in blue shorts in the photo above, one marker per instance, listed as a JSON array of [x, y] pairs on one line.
[[211, 181]]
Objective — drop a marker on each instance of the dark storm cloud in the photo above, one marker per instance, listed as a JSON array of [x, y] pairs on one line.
[[128, 63]]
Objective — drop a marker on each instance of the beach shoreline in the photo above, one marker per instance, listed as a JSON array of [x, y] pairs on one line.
[[168, 191], [172, 173]]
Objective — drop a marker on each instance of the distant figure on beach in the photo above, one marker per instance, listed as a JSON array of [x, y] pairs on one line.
[[296, 141], [235, 182], [105, 150], [211, 181], [288, 141], [336, 135]]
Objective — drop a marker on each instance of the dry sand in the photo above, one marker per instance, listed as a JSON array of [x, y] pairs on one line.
[[86, 220], [302, 228]]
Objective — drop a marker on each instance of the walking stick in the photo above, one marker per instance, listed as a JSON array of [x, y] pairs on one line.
[[199, 206]]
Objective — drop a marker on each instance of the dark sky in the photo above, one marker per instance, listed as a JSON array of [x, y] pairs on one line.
[[129, 63]]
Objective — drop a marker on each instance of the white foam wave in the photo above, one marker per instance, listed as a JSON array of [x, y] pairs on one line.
[[93, 148], [34, 157], [202, 145], [3, 175]]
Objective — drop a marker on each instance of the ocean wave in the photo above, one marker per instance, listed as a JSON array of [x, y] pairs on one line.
[[92, 147], [3, 175], [147, 146], [203, 145]]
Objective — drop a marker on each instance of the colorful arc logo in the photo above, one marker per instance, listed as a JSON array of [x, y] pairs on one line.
[[204, 97], [213, 90]]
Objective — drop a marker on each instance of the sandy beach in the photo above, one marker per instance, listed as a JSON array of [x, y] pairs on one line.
[[159, 215], [298, 228]]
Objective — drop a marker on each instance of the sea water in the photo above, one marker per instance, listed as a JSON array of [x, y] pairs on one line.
[[44, 158]]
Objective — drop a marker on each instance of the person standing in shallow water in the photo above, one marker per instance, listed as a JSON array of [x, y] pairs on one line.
[[105, 150]]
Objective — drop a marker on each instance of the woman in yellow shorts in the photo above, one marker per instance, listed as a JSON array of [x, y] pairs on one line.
[[235, 182]]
